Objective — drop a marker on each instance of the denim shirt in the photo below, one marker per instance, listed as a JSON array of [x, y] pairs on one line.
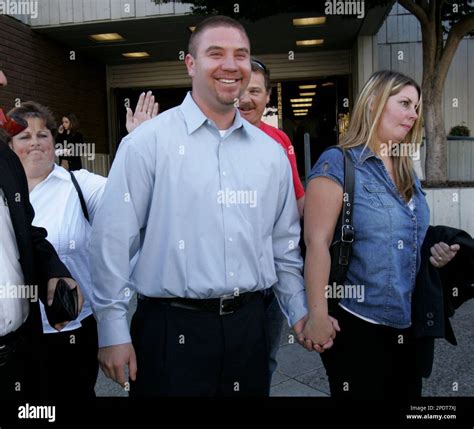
[[388, 238]]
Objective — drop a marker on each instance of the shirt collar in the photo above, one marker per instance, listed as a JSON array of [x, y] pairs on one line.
[[194, 117], [60, 173], [362, 153]]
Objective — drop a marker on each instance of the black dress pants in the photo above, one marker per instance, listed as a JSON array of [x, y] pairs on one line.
[[370, 361], [183, 352], [19, 376], [69, 362]]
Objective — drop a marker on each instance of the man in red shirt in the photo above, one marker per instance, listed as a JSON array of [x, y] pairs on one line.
[[251, 106]]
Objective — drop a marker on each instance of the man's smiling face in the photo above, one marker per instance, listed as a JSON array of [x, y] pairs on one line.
[[254, 99], [221, 69]]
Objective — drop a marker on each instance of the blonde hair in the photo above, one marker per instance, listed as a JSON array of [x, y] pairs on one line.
[[366, 119]]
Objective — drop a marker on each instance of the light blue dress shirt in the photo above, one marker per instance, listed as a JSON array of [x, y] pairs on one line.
[[210, 215]]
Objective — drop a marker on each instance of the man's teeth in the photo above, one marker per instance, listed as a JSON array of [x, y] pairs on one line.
[[227, 80]]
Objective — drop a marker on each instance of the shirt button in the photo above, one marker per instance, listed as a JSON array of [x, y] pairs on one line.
[[231, 274], [292, 313], [429, 315], [430, 323], [224, 173], [231, 239]]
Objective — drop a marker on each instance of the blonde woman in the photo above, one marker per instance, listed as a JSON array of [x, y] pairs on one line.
[[366, 343]]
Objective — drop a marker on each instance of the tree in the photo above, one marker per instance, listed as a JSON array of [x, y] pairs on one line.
[[443, 26], [444, 23]]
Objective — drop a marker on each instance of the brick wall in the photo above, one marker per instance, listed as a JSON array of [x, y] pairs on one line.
[[40, 69]]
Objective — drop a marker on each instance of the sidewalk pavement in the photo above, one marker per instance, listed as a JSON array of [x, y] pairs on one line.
[[301, 373]]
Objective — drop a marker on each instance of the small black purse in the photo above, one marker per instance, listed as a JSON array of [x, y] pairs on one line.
[[65, 306], [344, 234]]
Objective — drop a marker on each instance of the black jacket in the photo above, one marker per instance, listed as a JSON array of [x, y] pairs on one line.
[[439, 292], [38, 259], [75, 138]]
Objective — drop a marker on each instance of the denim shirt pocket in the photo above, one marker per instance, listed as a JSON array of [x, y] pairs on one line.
[[377, 195]]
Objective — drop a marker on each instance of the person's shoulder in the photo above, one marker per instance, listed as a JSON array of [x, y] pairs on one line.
[[270, 148], [276, 134], [165, 122], [171, 115], [84, 174], [332, 154], [330, 164], [89, 181], [259, 135], [277, 131]]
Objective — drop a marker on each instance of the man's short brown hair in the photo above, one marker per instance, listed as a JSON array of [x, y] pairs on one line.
[[213, 22], [259, 67]]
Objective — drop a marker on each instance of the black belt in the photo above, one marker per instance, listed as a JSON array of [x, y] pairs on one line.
[[226, 304]]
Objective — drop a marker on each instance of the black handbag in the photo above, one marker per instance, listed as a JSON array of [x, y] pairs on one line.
[[344, 234]]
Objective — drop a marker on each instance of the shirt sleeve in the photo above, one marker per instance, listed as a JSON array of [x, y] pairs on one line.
[[121, 215], [92, 186], [331, 165], [289, 290], [290, 151]]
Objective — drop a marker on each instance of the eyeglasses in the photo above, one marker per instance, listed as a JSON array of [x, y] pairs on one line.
[[260, 65], [10, 125]]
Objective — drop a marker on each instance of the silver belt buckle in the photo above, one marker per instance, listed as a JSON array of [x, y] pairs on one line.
[[221, 304]]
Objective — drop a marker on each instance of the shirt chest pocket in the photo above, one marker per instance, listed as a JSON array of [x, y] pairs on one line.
[[377, 195]]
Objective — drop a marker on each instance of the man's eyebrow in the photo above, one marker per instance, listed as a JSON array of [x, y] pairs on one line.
[[220, 48], [213, 47]]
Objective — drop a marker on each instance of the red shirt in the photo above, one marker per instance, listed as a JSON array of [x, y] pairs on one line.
[[285, 141]]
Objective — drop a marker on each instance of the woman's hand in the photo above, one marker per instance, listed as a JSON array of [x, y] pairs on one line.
[[443, 253], [146, 109], [319, 332], [61, 129]]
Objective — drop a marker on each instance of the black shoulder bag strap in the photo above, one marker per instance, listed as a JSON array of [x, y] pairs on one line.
[[345, 218], [81, 196], [344, 233], [344, 222]]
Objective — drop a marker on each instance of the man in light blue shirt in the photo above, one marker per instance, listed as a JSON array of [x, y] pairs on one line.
[[208, 200]]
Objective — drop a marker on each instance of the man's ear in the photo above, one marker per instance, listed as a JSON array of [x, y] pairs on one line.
[[189, 61]]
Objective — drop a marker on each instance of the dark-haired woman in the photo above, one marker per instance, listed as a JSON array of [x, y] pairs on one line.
[[70, 140]]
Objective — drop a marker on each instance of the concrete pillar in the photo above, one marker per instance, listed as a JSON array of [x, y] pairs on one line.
[[364, 61]]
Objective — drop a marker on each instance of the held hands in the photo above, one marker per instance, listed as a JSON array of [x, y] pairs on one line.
[[52, 283], [146, 109], [443, 253], [316, 332]]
